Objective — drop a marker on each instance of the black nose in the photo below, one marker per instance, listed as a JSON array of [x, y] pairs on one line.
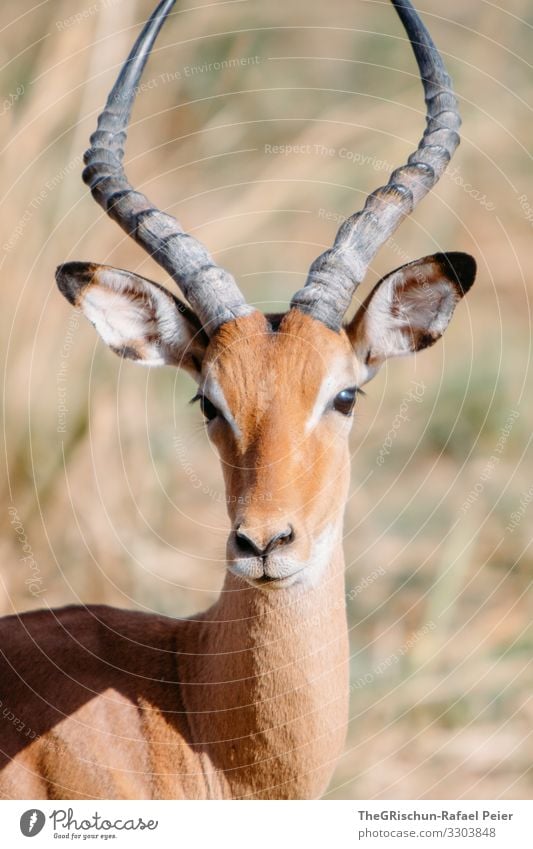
[[258, 548]]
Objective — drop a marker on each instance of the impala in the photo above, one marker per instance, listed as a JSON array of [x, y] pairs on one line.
[[248, 699]]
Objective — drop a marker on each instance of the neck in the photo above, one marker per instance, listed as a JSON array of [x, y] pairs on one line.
[[264, 682]]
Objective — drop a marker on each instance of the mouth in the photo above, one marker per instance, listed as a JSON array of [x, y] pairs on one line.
[[255, 575], [268, 582]]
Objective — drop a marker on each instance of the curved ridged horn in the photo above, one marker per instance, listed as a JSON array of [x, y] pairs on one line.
[[335, 274], [211, 291]]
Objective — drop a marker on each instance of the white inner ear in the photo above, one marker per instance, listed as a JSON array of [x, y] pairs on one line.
[[127, 313], [382, 328], [427, 307]]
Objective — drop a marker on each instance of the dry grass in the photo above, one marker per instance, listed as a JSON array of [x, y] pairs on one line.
[[441, 641]]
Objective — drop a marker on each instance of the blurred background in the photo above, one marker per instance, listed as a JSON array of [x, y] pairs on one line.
[[111, 492]]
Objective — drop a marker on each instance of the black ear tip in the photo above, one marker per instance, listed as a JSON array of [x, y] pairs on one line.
[[460, 267], [65, 283], [72, 277]]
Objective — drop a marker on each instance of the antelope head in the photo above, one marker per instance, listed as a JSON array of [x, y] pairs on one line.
[[277, 392]]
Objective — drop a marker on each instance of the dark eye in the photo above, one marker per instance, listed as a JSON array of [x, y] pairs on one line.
[[345, 400], [208, 409]]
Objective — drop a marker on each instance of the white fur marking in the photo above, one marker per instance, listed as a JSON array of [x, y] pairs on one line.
[[339, 377], [212, 390]]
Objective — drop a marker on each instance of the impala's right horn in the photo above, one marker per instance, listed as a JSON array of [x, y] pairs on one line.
[[211, 291], [335, 275]]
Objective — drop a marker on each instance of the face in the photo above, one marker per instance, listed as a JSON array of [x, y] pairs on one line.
[[279, 407], [277, 395]]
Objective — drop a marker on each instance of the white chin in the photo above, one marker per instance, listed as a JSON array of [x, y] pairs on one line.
[[274, 578]]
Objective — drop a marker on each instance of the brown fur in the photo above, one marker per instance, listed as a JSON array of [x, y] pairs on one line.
[[272, 385], [249, 699]]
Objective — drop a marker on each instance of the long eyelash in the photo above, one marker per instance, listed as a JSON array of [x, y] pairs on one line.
[[196, 398], [358, 391]]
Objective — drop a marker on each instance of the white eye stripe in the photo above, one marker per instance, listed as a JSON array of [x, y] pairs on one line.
[[213, 391], [340, 377]]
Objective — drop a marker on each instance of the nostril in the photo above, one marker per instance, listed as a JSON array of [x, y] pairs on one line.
[[248, 546], [282, 538]]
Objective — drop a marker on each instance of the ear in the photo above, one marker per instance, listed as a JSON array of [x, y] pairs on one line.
[[138, 319], [409, 309]]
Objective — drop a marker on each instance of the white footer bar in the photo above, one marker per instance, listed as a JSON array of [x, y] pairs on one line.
[[270, 825]]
